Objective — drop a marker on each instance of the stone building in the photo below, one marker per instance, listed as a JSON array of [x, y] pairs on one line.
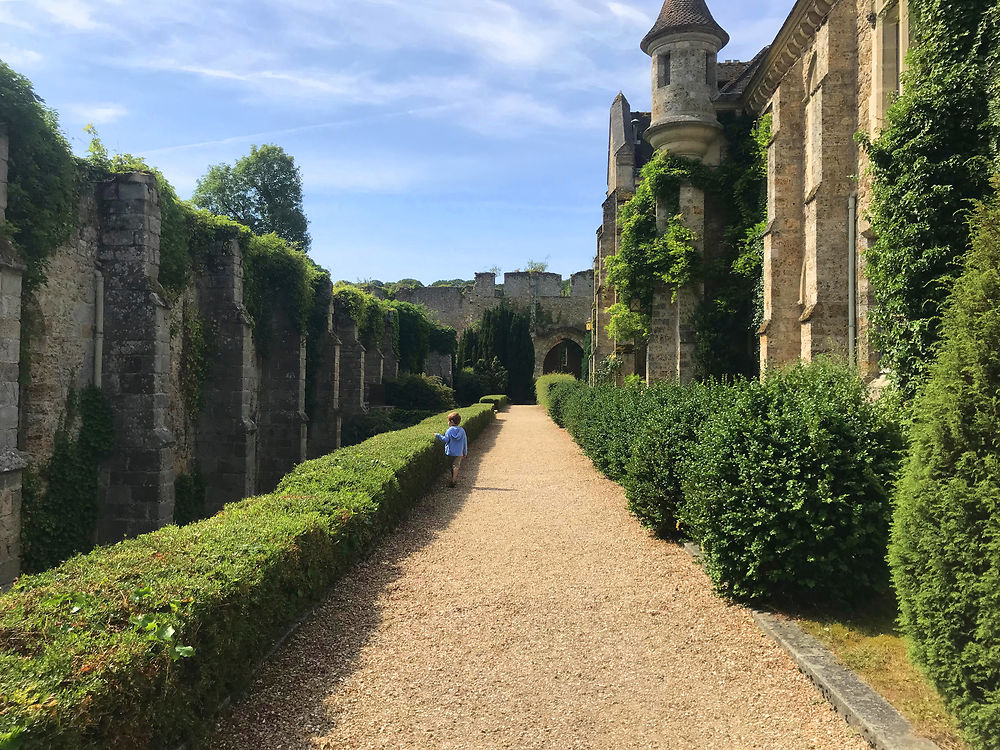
[[830, 72], [558, 320]]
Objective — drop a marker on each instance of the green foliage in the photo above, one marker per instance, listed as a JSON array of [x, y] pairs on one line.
[[189, 497], [197, 351], [359, 427], [276, 276], [945, 549], [544, 385], [536, 266], [931, 159], [502, 333], [498, 402], [368, 311], [472, 383], [415, 329], [262, 191], [41, 180], [413, 391], [78, 668], [673, 417], [443, 340], [59, 505], [787, 490], [784, 484]]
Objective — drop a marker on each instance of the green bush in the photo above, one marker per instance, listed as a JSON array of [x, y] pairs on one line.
[[498, 402], [544, 384], [359, 427], [945, 548], [410, 391], [604, 420], [787, 488], [470, 386], [134, 645], [671, 424]]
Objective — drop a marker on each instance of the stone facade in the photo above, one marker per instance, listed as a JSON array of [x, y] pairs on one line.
[[555, 318], [101, 318], [830, 72]]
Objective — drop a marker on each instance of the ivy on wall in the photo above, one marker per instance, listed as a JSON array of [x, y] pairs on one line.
[[41, 180], [60, 503], [726, 319], [933, 157]]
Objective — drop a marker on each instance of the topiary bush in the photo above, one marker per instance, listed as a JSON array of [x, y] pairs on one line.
[[135, 645], [787, 489], [544, 385], [670, 427], [499, 402], [409, 391], [945, 547]]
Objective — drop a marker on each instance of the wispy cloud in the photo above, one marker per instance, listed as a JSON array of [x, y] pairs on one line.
[[630, 14], [17, 57], [97, 114], [76, 14]]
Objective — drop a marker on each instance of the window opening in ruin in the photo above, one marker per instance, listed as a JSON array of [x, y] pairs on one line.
[[663, 69]]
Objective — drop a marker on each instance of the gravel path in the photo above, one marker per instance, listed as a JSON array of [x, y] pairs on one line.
[[527, 609]]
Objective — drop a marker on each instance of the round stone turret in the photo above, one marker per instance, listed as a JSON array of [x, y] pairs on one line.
[[684, 44]]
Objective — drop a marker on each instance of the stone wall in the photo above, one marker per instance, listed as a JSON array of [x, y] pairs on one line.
[[102, 318], [323, 381]]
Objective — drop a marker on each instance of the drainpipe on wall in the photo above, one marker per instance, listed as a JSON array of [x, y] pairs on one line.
[[98, 327], [852, 278]]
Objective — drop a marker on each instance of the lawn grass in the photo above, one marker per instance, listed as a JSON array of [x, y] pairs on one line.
[[869, 643]]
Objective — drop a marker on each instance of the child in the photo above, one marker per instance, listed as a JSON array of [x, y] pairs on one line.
[[456, 444]]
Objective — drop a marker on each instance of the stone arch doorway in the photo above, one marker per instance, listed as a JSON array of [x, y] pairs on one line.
[[566, 356]]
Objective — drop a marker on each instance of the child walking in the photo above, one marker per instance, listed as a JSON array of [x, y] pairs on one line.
[[456, 444]]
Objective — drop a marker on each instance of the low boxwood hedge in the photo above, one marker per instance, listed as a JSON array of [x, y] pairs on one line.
[[134, 645], [498, 402], [544, 385]]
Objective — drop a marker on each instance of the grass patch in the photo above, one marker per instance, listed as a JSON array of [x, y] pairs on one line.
[[869, 643]]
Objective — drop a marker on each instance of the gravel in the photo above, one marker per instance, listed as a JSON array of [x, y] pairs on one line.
[[527, 609]]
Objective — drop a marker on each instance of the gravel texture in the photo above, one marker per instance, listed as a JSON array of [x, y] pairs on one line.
[[527, 609]]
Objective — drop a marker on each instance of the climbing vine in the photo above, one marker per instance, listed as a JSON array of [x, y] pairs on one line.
[[60, 502], [934, 157], [725, 320], [42, 177], [197, 344]]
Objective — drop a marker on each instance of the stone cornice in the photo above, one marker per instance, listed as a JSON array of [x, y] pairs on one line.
[[793, 38]]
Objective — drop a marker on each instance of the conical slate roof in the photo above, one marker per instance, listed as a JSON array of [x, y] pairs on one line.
[[684, 15]]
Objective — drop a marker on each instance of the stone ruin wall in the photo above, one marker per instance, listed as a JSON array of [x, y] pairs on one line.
[[555, 318], [252, 426]]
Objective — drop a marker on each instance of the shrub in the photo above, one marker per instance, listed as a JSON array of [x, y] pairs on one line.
[[787, 488], [359, 427], [945, 549], [498, 402], [129, 645], [411, 391], [545, 383], [604, 420], [471, 384], [669, 429]]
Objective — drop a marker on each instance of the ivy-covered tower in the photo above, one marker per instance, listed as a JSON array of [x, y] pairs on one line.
[[683, 44]]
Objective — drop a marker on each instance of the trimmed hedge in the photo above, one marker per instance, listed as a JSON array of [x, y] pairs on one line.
[[410, 391], [945, 550], [544, 385], [498, 402], [784, 484], [134, 645]]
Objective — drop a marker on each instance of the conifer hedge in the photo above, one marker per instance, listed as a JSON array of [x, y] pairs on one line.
[[135, 645], [945, 550]]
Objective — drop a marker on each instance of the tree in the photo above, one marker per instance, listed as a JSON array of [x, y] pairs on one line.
[[262, 191]]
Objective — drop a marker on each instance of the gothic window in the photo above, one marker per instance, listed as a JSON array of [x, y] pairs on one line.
[[663, 69], [890, 42]]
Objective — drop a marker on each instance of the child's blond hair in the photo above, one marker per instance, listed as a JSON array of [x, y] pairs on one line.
[[455, 418]]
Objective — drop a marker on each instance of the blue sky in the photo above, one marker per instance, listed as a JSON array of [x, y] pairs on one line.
[[436, 138]]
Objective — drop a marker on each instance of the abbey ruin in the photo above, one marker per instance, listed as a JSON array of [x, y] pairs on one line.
[[830, 72]]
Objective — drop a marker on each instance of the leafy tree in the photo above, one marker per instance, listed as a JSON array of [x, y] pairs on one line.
[[503, 333], [262, 191]]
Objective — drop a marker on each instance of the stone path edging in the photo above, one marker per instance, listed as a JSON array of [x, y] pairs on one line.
[[864, 709]]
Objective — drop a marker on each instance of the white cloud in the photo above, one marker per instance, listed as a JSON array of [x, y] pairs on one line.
[[630, 14], [76, 14], [97, 114], [18, 58]]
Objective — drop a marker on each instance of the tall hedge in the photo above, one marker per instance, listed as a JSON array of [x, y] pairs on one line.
[[945, 551], [788, 486]]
